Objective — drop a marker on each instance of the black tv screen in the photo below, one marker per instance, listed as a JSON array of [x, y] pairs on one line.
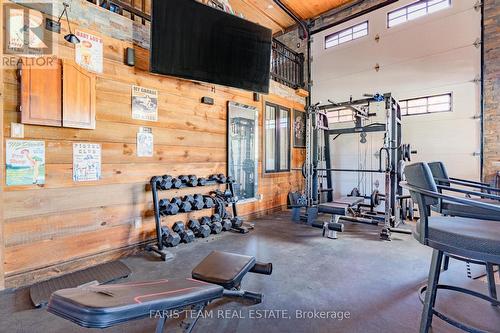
[[194, 41]]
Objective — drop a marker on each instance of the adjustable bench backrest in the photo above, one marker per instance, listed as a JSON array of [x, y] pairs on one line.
[[438, 171]]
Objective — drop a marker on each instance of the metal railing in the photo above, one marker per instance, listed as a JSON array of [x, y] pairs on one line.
[[287, 66]]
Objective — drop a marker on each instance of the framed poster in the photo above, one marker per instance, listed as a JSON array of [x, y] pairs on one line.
[[25, 162], [299, 129], [89, 52], [145, 142], [144, 104], [86, 162]]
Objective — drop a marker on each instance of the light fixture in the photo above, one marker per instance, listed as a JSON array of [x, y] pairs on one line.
[[71, 38]]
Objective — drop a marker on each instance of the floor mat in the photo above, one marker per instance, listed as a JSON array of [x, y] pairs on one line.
[[104, 273]]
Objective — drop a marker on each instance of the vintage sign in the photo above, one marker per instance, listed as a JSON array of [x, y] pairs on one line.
[[144, 104], [145, 142], [89, 52], [86, 162], [25, 162]]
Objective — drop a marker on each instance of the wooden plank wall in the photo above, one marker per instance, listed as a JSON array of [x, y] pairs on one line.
[[2, 280], [61, 226]]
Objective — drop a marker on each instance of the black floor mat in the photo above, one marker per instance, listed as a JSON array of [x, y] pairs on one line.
[[104, 273]]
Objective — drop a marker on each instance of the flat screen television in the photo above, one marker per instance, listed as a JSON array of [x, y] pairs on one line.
[[193, 41]]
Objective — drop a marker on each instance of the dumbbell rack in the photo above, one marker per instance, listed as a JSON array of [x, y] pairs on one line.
[[159, 248]]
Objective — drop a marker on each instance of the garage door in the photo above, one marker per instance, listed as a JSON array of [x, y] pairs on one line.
[[428, 55]]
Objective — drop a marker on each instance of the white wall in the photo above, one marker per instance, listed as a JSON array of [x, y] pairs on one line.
[[431, 55]]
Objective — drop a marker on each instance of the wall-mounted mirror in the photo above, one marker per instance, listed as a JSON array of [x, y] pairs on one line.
[[243, 154]]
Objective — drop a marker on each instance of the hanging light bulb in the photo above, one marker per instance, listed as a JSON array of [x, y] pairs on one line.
[[70, 38]]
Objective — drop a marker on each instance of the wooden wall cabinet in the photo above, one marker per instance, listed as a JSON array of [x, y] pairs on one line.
[[78, 97], [41, 95], [63, 95]]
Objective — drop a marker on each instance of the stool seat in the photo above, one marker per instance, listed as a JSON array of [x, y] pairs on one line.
[[464, 234]]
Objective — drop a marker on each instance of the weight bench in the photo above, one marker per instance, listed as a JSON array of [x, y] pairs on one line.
[[337, 208], [218, 275]]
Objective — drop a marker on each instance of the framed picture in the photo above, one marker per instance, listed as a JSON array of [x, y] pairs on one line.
[[299, 129]]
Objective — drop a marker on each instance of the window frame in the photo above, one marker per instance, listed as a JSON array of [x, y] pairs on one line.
[[426, 105], [406, 12], [277, 153], [338, 33]]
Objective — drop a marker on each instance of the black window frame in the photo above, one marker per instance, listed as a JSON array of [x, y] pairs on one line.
[[407, 13], [338, 33], [404, 109], [277, 150]]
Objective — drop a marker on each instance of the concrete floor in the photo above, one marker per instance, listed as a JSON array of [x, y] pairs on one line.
[[375, 282]]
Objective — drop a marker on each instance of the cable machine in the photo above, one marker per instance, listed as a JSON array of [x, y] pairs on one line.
[[318, 163]]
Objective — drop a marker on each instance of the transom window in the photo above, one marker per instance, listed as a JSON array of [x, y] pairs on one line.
[[346, 35], [415, 10], [426, 105], [340, 116]]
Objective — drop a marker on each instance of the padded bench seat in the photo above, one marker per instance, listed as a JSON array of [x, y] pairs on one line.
[[339, 206], [107, 305], [223, 268], [457, 209]]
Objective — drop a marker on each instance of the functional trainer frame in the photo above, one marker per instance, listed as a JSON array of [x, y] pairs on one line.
[[318, 137]]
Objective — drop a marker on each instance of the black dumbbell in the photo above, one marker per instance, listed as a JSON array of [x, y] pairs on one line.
[[231, 180], [187, 236], [216, 218], [199, 230], [208, 201], [167, 207], [198, 202], [185, 206], [237, 221], [190, 180], [188, 198], [169, 238], [202, 181], [166, 182], [176, 183], [222, 178], [176, 200], [215, 227], [226, 224]]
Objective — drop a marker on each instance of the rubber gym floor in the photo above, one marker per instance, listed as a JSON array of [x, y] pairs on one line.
[[367, 284]]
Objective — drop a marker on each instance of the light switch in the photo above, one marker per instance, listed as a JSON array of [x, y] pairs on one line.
[[16, 130]]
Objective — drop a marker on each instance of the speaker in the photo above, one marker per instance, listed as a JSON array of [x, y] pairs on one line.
[[256, 97], [130, 56]]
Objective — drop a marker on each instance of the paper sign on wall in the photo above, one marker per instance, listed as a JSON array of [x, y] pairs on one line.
[[89, 52], [25, 162], [145, 142], [86, 162], [144, 103]]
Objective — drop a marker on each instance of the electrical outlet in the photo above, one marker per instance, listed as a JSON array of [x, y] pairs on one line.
[[260, 196], [137, 222]]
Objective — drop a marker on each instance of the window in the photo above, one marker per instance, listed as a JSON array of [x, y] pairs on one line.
[[277, 138], [340, 116], [346, 35], [426, 105], [415, 10]]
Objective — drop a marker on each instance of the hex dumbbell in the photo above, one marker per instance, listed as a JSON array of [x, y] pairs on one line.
[[215, 227], [202, 181], [199, 230], [187, 236], [169, 238], [208, 202], [176, 183], [198, 202], [167, 207], [227, 225]]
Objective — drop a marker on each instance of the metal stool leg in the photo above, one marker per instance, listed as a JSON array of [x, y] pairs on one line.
[[446, 262], [430, 295], [491, 281]]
